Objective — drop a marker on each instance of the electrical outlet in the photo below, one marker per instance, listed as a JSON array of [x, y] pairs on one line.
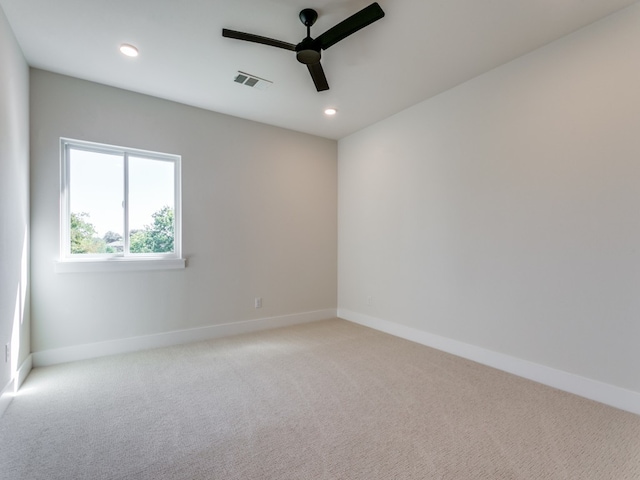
[[258, 302], [369, 300], [7, 352]]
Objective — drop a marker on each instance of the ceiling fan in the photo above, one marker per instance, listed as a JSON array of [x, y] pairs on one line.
[[308, 50]]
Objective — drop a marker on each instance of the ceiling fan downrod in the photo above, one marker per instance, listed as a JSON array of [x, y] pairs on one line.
[[306, 51]]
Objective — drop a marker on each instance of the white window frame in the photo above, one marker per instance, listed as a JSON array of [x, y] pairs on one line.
[[69, 262]]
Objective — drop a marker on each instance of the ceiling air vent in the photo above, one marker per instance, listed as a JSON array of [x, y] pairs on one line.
[[252, 81]]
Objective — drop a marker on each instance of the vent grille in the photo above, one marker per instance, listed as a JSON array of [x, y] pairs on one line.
[[252, 81]]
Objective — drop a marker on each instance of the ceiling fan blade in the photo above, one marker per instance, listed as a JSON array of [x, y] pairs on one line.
[[249, 37], [317, 74], [351, 25]]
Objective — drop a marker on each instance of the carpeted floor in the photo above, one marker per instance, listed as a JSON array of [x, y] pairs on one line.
[[326, 400]]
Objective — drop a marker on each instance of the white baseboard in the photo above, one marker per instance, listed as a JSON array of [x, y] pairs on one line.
[[592, 389], [12, 387], [82, 352]]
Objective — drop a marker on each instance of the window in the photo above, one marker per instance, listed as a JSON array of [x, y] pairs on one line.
[[119, 205]]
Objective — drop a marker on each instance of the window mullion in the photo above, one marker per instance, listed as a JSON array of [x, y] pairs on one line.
[[125, 205], [65, 239]]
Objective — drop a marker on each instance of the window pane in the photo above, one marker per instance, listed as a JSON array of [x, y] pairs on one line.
[[151, 205], [96, 193]]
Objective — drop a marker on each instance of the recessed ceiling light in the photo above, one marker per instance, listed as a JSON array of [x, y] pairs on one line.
[[330, 111], [128, 50]]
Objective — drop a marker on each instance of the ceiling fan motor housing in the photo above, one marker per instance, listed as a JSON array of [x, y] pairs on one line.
[[308, 52], [308, 57]]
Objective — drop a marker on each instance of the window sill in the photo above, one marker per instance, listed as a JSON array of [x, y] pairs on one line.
[[118, 265]]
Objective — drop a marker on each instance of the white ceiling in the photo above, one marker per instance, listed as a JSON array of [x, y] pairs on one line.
[[420, 48]]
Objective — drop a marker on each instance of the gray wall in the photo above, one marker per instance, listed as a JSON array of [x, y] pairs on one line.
[[14, 202], [505, 213], [259, 218]]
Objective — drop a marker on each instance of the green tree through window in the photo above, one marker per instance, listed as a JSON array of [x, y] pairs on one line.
[[155, 238], [83, 235]]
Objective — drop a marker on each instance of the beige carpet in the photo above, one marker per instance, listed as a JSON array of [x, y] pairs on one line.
[[327, 400]]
